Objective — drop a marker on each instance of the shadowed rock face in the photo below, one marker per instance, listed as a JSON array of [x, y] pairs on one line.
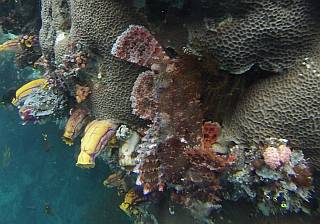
[[282, 106], [20, 16]]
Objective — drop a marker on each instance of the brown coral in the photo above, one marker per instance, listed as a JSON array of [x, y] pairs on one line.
[[289, 32], [117, 180], [148, 173], [179, 102], [210, 133], [302, 177], [173, 161], [82, 92]]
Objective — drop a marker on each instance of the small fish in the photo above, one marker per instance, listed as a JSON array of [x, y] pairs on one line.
[[45, 136], [46, 143], [8, 96], [47, 209]]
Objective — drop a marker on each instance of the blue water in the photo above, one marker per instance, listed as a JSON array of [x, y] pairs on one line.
[[35, 173]]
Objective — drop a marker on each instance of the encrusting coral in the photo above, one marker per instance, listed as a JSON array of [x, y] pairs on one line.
[[147, 53], [277, 184], [143, 95], [38, 100], [28, 51], [117, 180], [26, 47], [177, 146], [42, 103], [169, 156], [82, 92]]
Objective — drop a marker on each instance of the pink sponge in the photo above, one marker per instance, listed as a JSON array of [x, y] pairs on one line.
[[274, 157], [284, 153], [271, 157]]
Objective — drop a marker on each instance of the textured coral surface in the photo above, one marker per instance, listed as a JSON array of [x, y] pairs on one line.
[[110, 98], [270, 33], [282, 106]]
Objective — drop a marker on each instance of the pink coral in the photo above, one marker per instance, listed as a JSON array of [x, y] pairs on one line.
[[272, 157], [138, 45], [284, 153]]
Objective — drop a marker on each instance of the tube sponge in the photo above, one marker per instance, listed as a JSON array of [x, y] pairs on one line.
[[76, 122], [97, 135], [27, 88]]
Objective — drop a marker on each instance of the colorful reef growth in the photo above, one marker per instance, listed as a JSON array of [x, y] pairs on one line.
[[221, 108], [26, 47], [10, 45]]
